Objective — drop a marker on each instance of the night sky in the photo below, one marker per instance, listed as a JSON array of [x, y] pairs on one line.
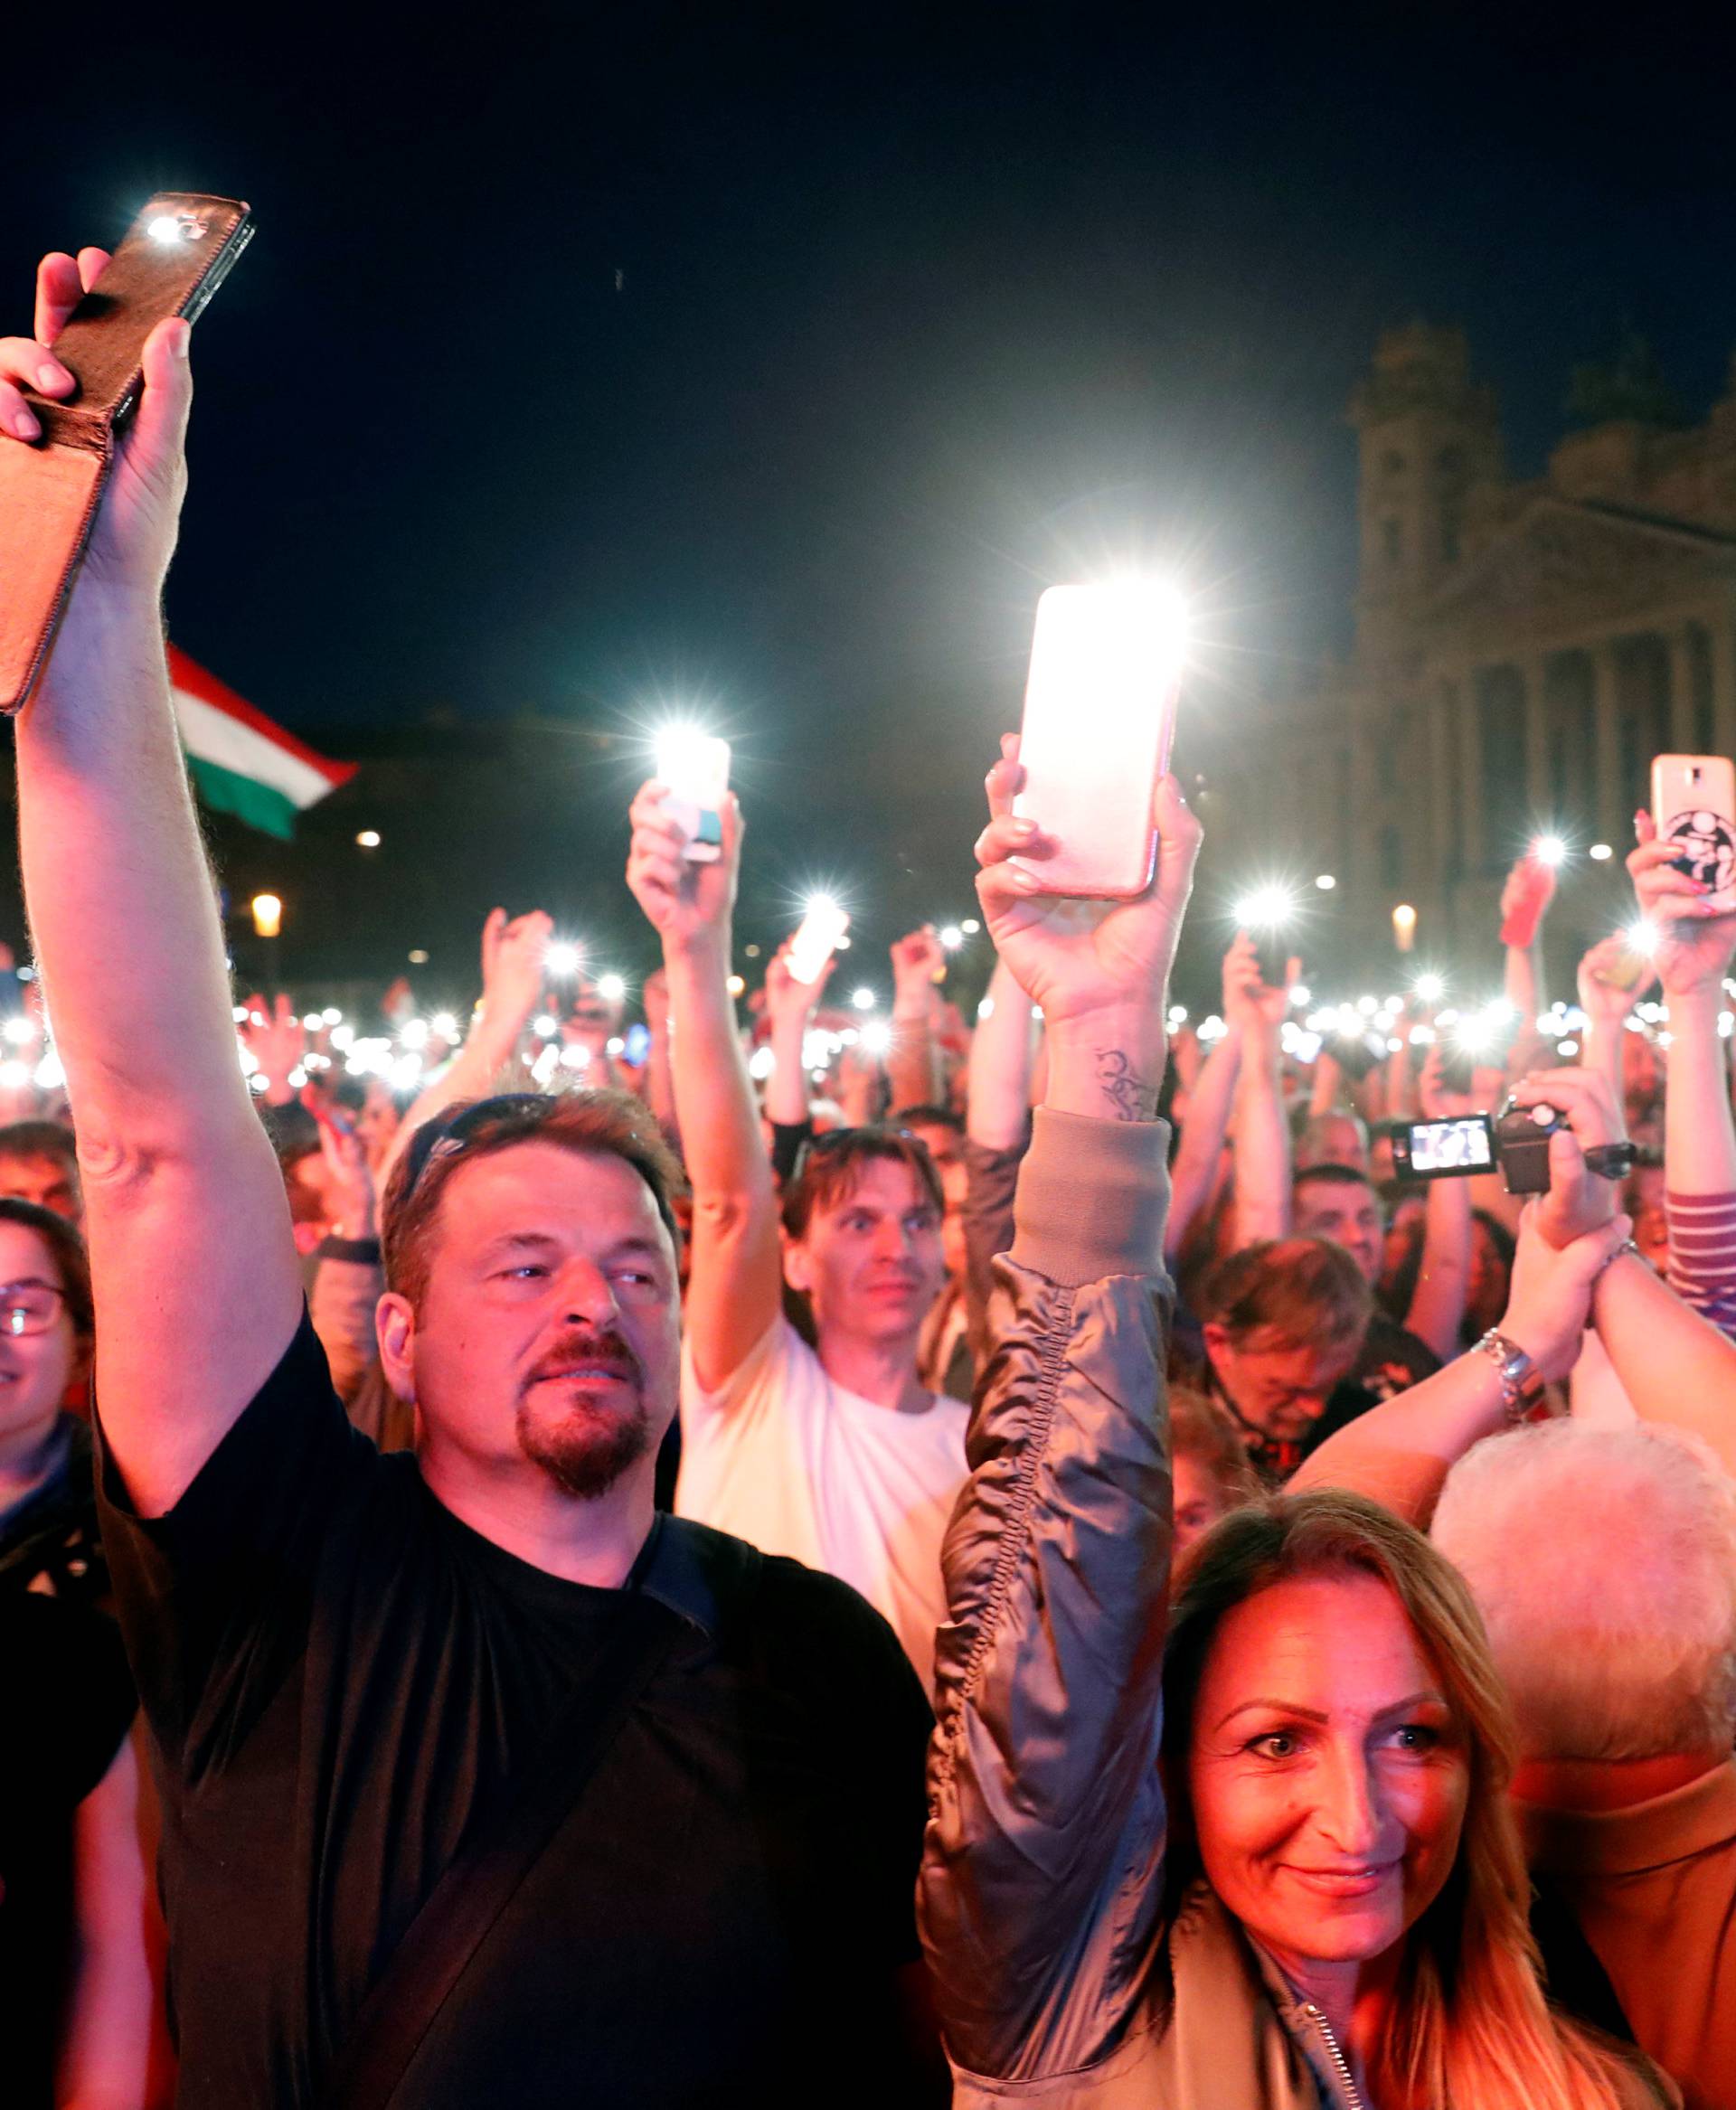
[[589, 362]]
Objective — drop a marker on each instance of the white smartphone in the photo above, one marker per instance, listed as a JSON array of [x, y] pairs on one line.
[[1100, 716], [1694, 803], [815, 939], [696, 769]]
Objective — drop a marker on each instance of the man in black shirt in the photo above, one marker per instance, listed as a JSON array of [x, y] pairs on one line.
[[351, 1664]]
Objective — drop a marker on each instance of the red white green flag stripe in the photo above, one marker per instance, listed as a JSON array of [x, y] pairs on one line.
[[242, 763]]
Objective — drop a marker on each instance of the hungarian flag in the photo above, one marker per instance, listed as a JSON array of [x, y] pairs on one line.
[[242, 763]]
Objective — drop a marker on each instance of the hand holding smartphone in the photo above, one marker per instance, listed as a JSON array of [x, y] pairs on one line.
[[1100, 716], [172, 258], [1694, 804]]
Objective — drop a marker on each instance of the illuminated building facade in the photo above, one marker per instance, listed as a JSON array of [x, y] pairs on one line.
[[1521, 649]]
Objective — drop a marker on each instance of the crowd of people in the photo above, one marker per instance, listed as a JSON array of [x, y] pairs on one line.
[[1020, 1562]]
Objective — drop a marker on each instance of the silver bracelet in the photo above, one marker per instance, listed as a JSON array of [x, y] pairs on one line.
[[1522, 1382]]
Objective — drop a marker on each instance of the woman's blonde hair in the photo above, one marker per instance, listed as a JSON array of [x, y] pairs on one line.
[[1470, 2028]]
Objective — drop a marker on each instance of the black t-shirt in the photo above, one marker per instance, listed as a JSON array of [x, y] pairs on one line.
[[340, 1676], [1392, 1360], [68, 1703]]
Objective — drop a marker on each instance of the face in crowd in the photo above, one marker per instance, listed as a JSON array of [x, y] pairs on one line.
[[42, 1356], [1277, 1385], [1348, 1213], [49, 1181], [547, 1330], [871, 1260], [1327, 1777]]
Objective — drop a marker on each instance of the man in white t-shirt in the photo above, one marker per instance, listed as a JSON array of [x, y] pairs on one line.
[[839, 1457]]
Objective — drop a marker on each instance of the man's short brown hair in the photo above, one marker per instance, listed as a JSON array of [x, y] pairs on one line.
[[589, 1124], [1308, 1293], [830, 1166]]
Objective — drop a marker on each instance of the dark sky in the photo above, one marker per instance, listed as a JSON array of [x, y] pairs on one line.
[[588, 358]]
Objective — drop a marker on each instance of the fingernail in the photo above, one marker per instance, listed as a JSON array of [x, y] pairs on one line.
[[51, 379], [182, 340], [22, 423]]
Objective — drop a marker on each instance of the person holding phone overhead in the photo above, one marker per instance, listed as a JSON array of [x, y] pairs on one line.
[[483, 1783]]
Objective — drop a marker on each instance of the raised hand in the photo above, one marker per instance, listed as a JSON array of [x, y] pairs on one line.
[[1578, 1200], [686, 904], [514, 950], [1434, 1100], [137, 524], [1249, 1002], [1099, 970], [277, 1041], [349, 1182], [919, 962], [788, 1001], [1694, 943], [1549, 1305], [1605, 997]]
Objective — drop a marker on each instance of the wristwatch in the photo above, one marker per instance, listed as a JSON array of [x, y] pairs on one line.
[[1522, 1382]]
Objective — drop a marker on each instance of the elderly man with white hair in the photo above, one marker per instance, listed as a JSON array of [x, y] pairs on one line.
[[1603, 1561]]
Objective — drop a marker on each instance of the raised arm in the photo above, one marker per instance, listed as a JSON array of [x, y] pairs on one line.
[[735, 1284], [197, 1288], [1444, 1277], [912, 1056], [790, 1006], [1039, 1899], [1401, 1452], [1606, 999], [512, 953], [1261, 1134]]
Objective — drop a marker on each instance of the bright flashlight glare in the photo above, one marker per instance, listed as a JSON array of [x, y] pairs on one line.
[[369, 839], [819, 936], [268, 915], [877, 1038], [561, 959], [545, 1027], [415, 1034], [970, 926], [611, 988], [952, 937], [1601, 854], [1642, 938], [1430, 987], [1325, 882], [165, 227], [445, 1024], [1266, 908], [1117, 639], [1549, 850], [864, 999]]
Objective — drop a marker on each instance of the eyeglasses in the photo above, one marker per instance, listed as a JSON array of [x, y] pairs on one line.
[[438, 1139], [28, 1307]]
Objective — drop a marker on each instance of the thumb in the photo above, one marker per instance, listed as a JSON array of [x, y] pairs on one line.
[[1566, 1158], [160, 428], [1178, 844]]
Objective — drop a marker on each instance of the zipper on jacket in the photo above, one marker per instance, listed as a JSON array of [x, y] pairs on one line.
[[1352, 2095]]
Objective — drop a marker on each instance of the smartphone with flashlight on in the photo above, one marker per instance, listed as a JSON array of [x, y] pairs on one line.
[[815, 939], [1694, 804], [171, 261], [694, 769], [1100, 717]]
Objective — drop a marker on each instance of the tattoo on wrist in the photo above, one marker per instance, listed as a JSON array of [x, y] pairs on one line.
[[1131, 1096]]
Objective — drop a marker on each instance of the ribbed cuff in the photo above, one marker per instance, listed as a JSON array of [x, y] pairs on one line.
[[1094, 1199]]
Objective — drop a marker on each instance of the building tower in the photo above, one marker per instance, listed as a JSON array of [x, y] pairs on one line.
[[1431, 465]]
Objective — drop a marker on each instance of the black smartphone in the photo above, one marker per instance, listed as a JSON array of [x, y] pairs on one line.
[[1454, 1149]]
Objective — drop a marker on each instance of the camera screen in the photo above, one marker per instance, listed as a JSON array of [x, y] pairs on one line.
[[1452, 1146]]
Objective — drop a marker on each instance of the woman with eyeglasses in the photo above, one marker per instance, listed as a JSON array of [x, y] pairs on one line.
[[77, 2003], [47, 1535]]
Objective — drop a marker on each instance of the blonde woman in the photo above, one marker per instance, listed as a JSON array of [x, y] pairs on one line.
[[1317, 1898]]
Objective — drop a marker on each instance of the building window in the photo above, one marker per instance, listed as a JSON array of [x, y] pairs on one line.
[[1392, 541]]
